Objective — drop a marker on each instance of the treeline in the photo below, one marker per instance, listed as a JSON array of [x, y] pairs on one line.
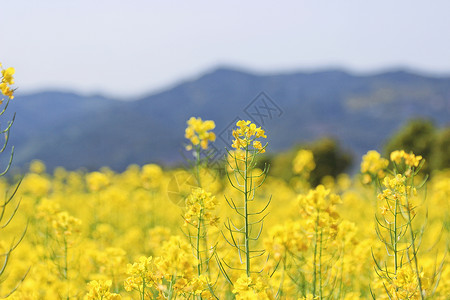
[[418, 135]]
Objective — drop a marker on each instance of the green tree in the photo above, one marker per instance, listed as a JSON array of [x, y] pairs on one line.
[[423, 138], [329, 157], [441, 152]]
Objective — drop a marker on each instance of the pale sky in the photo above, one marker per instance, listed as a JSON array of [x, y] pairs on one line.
[[129, 48]]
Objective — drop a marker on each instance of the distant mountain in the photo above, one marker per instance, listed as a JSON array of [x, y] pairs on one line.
[[73, 131]]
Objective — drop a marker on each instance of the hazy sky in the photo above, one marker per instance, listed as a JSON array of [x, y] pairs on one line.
[[130, 47]]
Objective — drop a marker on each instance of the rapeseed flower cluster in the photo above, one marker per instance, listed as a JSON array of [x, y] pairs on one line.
[[246, 135], [172, 273], [319, 207], [249, 288], [287, 238], [200, 205], [97, 180], [408, 158], [143, 276], [7, 81], [402, 285], [198, 132], [65, 225], [99, 290], [151, 176], [111, 264], [303, 162], [395, 191], [373, 166]]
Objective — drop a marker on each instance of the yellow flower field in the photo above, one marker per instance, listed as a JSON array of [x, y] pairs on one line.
[[105, 233], [154, 233]]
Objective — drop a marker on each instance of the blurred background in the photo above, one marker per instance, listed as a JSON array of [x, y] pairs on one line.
[[112, 83]]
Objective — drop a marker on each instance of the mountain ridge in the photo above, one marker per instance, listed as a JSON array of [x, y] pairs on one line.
[[91, 131]]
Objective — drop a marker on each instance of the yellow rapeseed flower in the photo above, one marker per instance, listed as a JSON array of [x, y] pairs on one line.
[[8, 76], [97, 181], [99, 290], [373, 165], [6, 81], [246, 134], [199, 132], [65, 225], [199, 206], [409, 158], [303, 162]]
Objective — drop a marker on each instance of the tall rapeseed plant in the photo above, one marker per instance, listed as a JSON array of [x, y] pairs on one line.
[[400, 275], [200, 204], [6, 89], [243, 234]]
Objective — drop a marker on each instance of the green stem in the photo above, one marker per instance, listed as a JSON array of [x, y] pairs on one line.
[[315, 256], [341, 283], [170, 290], [200, 221], [247, 248], [197, 166], [199, 263], [66, 267], [413, 244], [395, 236], [280, 287], [320, 264]]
